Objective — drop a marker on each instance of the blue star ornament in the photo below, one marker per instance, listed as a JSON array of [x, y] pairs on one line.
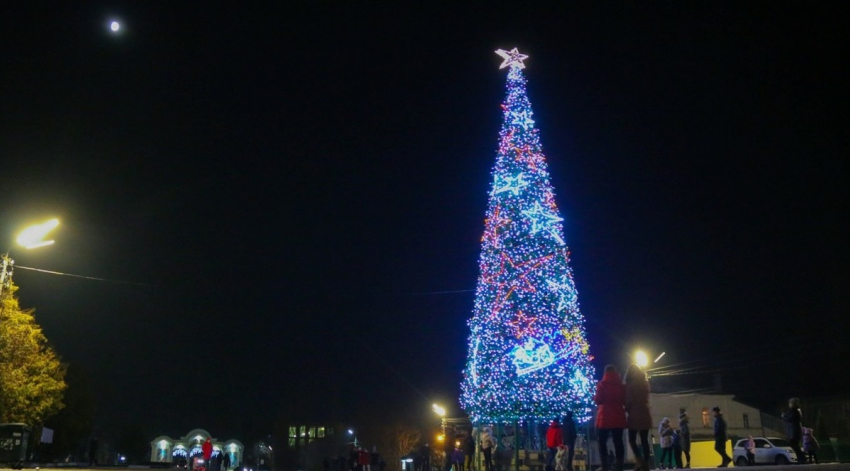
[[512, 184], [541, 219], [512, 58], [523, 118]]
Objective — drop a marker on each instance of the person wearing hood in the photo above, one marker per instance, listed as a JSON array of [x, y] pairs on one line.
[[610, 400], [665, 434], [488, 445], [554, 439], [720, 437], [685, 435], [793, 418], [638, 416]]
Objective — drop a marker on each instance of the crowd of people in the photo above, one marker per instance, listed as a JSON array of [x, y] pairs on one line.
[[359, 459], [624, 405]]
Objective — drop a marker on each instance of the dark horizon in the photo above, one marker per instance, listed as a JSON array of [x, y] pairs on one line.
[[302, 191]]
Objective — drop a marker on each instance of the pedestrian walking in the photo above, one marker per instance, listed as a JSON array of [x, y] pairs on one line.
[[638, 417], [750, 448], [93, 452], [677, 448], [561, 458], [610, 400], [810, 446], [665, 434], [570, 436], [720, 437], [425, 457], [685, 432], [449, 446], [226, 462], [793, 418], [554, 439], [488, 445], [364, 460], [469, 452], [206, 450], [457, 459]]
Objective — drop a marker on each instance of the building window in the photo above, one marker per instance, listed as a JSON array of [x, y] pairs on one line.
[[292, 442], [303, 431], [705, 421], [746, 421], [293, 432], [320, 432]]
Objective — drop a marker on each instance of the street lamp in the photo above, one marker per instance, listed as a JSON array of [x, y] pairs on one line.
[[641, 359], [32, 237], [439, 410], [351, 432]]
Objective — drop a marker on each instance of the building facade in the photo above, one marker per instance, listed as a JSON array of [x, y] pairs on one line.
[[170, 450], [741, 420]]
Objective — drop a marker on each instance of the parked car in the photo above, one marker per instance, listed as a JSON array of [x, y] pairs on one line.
[[769, 450]]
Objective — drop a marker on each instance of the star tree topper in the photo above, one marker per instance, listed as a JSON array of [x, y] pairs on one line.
[[512, 58]]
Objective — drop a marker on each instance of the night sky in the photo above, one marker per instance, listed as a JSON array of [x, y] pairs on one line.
[[300, 192]]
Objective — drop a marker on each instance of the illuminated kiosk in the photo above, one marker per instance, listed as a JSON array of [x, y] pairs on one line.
[[168, 450]]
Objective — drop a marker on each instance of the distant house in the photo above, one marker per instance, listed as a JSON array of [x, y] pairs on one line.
[[741, 419]]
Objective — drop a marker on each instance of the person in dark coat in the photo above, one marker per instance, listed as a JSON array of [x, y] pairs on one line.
[[570, 436], [93, 452], [468, 452], [425, 457], [685, 433], [720, 437], [793, 418], [449, 446], [554, 439], [638, 416], [610, 400]]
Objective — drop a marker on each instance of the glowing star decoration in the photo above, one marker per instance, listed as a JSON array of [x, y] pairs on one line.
[[512, 184], [512, 58], [543, 220], [523, 118], [528, 357], [523, 324]]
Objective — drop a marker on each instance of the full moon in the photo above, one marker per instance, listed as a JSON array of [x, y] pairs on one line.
[[115, 26]]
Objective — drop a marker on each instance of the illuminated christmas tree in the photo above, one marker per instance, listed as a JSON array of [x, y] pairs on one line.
[[528, 353]]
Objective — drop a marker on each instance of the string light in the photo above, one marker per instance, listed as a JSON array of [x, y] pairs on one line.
[[528, 351]]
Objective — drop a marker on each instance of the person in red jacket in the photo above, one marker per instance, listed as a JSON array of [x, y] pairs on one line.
[[610, 400], [364, 460], [207, 450], [554, 439]]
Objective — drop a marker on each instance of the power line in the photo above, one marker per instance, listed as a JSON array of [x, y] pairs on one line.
[[93, 278]]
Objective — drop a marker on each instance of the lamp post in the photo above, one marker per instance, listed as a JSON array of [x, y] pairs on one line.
[[30, 238], [351, 432]]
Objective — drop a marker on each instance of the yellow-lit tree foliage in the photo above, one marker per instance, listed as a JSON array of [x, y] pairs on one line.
[[32, 377]]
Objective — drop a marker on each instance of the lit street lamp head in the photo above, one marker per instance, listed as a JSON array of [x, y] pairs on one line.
[[33, 236], [641, 359], [439, 410]]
